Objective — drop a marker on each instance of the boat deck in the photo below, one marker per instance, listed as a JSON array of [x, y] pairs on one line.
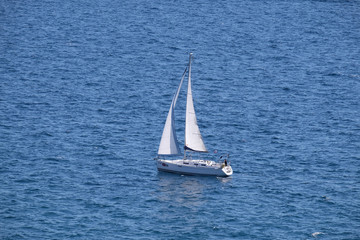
[[194, 163]]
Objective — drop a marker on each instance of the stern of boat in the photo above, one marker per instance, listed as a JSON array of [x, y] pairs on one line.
[[227, 170]]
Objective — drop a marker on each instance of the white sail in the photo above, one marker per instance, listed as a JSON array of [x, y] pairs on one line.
[[193, 138], [169, 144]]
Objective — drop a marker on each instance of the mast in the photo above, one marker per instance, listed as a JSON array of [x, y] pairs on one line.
[[189, 79]]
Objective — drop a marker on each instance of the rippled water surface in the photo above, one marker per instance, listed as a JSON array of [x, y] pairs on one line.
[[84, 91]]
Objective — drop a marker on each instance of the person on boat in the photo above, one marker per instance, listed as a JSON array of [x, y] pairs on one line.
[[225, 162]]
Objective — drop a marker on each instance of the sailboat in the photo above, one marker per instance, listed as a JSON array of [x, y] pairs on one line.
[[169, 145]]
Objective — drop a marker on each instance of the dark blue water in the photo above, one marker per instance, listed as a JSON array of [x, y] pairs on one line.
[[85, 87]]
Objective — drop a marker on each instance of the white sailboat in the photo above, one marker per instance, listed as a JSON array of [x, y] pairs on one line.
[[169, 145]]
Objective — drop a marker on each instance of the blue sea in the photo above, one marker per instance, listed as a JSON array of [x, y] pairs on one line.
[[85, 87]]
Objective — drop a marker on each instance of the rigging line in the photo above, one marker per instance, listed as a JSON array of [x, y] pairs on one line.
[[178, 90]]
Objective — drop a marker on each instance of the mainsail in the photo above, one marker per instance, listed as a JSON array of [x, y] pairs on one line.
[[193, 138], [169, 144]]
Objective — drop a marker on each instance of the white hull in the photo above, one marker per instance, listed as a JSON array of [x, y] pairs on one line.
[[194, 167]]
